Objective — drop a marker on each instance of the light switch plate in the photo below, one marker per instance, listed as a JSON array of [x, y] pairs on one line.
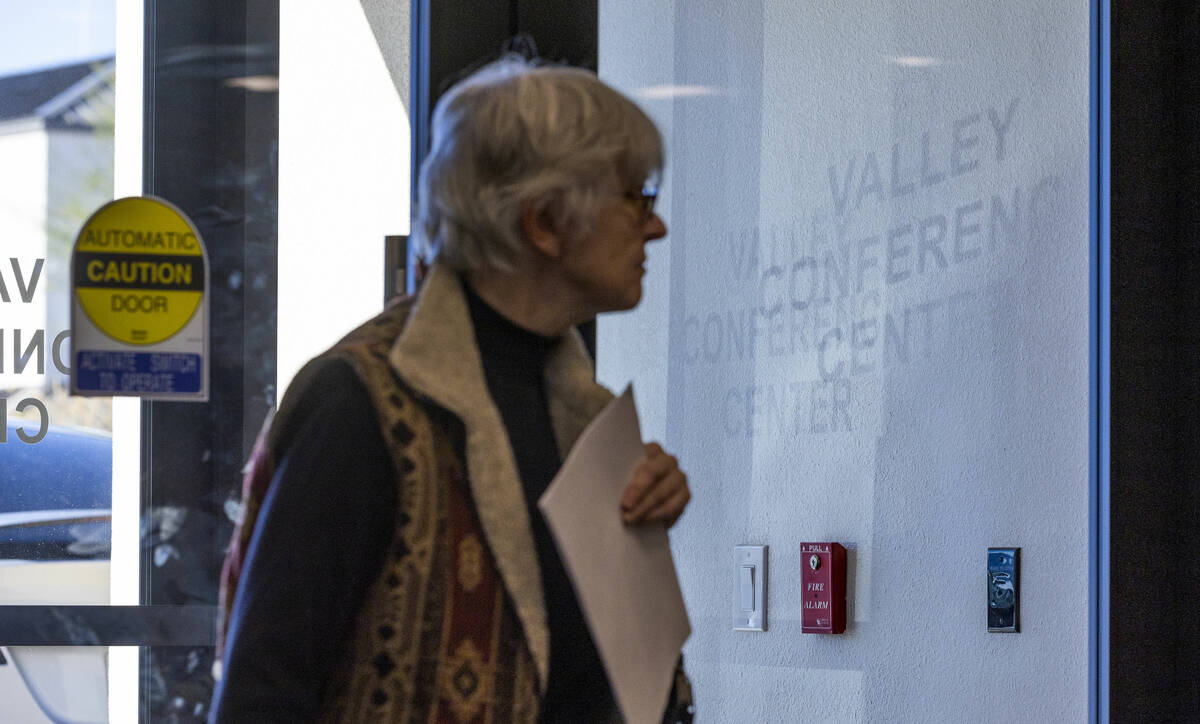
[[750, 588]]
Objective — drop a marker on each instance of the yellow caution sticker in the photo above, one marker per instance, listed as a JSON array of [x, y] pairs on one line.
[[139, 270]]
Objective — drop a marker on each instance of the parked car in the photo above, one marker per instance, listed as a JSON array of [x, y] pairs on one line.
[[55, 539]]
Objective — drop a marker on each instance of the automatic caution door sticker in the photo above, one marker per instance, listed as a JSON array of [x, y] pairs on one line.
[[139, 311]]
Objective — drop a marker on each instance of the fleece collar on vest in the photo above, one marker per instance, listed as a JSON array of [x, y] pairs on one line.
[[437, 356]]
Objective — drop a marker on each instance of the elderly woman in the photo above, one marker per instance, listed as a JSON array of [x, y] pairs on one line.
[[396, 567]]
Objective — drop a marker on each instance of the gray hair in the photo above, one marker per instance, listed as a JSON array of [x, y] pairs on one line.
[[514, 132]]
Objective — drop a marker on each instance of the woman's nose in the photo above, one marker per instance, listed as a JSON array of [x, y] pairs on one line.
[[655, 228]]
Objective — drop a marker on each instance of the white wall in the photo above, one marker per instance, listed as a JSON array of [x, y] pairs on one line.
[[917, 416], [343, 172]]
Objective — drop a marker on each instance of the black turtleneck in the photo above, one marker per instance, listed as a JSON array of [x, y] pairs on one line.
[[514, 365]]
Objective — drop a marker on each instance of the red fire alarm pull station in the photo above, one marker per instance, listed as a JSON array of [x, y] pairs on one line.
[[823, 579]]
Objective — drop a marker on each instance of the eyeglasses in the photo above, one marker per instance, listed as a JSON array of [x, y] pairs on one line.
[[643, 201]]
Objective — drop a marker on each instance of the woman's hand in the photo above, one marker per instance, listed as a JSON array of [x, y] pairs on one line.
[[657, 492]]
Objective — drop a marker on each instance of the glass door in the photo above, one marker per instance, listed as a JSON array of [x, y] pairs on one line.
[[115, 514], [58, 102]]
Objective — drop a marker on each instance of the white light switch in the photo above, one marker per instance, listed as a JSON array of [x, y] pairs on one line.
[[750, 588], [747, 588]]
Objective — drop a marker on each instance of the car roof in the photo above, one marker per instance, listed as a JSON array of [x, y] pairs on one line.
[[69, 469]]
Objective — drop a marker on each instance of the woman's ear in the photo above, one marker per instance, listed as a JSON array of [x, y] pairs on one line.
[[538, 227]]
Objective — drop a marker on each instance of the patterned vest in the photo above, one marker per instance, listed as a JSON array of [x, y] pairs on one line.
[[437, 639], [446, 633]]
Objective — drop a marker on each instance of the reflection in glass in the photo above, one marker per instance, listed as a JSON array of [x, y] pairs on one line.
[[57, 109]]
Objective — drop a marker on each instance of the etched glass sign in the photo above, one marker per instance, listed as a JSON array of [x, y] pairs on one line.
[[868, 323]]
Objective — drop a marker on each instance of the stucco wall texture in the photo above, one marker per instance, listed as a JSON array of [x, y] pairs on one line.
[[869, 324]]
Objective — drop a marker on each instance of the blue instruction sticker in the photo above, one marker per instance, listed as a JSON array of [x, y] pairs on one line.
[[137, 372]]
